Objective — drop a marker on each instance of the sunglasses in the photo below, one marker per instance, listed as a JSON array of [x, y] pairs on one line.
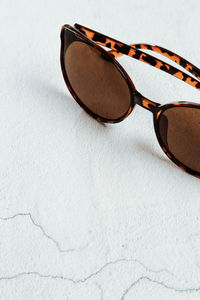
[[104, 90]]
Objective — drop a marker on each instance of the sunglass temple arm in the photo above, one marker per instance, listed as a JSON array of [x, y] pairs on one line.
[[119, 48]]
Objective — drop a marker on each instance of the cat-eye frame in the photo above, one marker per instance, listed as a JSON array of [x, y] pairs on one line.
[[103, 89]]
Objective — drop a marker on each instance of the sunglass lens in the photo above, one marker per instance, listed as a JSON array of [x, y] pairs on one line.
[[96, 81], [179, 128]]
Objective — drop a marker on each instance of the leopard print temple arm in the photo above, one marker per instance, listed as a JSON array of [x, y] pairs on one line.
[[167, 53], [119, 48]]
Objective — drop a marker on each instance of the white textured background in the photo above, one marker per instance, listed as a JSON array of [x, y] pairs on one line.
[[93, 212]]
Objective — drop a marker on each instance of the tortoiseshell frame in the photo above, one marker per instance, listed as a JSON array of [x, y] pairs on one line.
[[94, 39]]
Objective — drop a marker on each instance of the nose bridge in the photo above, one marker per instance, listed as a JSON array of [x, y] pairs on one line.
[[146, 103]]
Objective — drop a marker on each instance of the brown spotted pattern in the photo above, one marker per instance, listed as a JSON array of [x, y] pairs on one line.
[[167, 53], [121, 48]]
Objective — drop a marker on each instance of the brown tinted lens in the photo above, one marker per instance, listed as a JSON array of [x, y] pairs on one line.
[[180, 132], [96, 81]]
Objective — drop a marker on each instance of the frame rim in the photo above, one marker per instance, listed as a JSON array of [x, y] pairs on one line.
[[119, 67]]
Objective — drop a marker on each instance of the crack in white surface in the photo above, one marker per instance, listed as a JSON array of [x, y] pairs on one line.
[[188, 290], [83, 279], [153, 271], [49, 276], [43, 231]]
